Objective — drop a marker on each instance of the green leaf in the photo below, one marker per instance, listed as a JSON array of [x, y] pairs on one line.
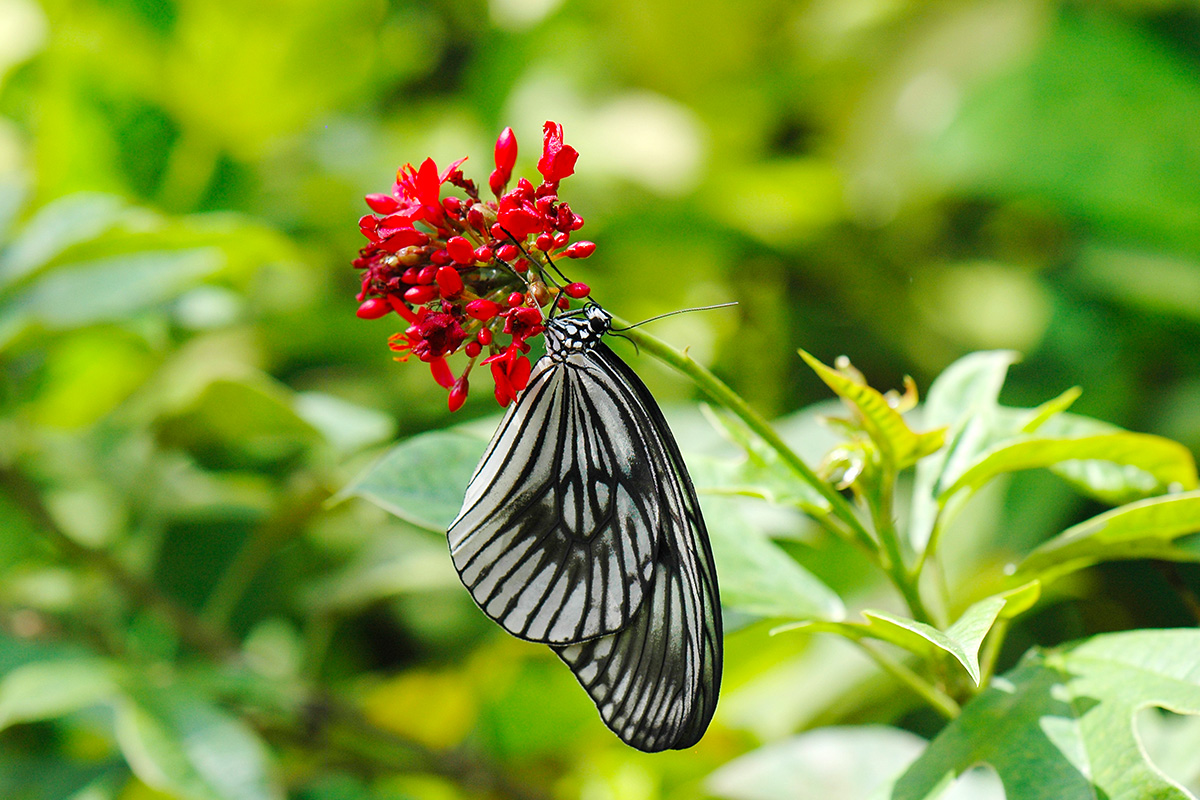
[[961, 640], [1061, 724], [898, 443], [393, 565], [760, 473], [49, 689], [757, 577], [105, 289], [963, 398], [57, 226], [1163, 464], [838, 763], [422, 479], [187, 747], [1144, 529]]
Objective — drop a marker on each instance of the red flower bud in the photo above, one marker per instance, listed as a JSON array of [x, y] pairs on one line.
[[473, 349], [482, 310], [441, 372], [577, 290], [498, 231], [458, 393], [410, 275], [427, 274], [374, 308], [382, 203], [449, 283], [580, 250], [484, 337], [561, 239], [460, 250], [475, 217], [563, 303], [483, 253], [452, 205], [508, 252], [419, 295], [498, 180], [515, 299], [521, 266], [544, 241], [506, 150], [440, 257]]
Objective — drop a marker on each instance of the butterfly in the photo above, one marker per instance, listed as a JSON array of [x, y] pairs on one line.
[[581, 529]]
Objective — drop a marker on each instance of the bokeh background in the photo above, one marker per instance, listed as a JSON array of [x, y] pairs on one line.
[[184, 381]]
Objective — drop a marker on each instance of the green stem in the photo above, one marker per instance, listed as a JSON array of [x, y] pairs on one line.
[[191, 629], [882, 517], [941, 702], [991, 651], [716, 389], [260, 545]]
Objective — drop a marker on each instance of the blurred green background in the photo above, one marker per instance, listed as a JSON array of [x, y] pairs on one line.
[[184, 381]]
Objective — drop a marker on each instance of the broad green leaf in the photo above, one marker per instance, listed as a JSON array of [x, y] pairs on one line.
[[105, 289], [1061, 724], [189, 748], [1144, 529], [254, 418], [833, 763], [961, 640], [394, 564], [760, 473], [49, 689], [963, 398], [898, 443], [757, 577], [57, 226], [346, 426], [1164, 463], [422, 479], [1050, 409]]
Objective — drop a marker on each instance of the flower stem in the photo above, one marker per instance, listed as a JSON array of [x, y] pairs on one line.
[[716, 389], [941, 702]]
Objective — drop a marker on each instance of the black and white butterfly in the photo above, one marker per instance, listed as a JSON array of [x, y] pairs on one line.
[[581, 529]]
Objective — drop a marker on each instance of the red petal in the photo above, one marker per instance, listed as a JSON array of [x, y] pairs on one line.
[[382, 203], [441, 372]]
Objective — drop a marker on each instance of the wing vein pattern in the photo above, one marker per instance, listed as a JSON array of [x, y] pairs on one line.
[[581, 529]]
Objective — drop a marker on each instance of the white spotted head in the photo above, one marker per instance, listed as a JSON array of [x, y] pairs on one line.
[[567, 335]]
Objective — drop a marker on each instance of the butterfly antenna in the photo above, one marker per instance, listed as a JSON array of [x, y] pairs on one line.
[[671, 314]]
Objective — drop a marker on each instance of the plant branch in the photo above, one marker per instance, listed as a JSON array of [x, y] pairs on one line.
[[294, 510], [941, 702], [191, 629], [716, 389]]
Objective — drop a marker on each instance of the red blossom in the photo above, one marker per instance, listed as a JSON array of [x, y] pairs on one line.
[[558, 159], [464, 271]]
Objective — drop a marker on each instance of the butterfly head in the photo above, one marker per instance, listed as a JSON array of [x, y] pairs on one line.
[[569, 334]]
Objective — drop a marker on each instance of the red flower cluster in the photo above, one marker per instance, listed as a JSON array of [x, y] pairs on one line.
[[463, 271]]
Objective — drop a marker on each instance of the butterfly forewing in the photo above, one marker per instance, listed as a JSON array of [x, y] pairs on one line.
[[555, 540], [581, 529]]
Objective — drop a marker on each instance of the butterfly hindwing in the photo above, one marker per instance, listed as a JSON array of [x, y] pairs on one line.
[[655, 683]]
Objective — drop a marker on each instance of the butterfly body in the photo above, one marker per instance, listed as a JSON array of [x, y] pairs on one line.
[[581, 529]]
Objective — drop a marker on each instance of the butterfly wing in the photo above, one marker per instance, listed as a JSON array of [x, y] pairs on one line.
[[560, 524], [656, 681]]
